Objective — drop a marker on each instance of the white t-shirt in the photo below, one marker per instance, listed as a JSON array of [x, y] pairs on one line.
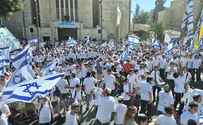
[[165, 120], [5, 109], [89, 83], [71, 119], [74, 82], [3, 120], [105, 108], [164, 100], [189, 62], [132, 82], [109, 81], [120, 110], [170, 76], [45, 113], [145, 88], [186, 116], [78, 95], [61, 86], [179, 85], [126, 89]]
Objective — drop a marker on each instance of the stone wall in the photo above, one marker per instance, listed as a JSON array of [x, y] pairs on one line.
[[15, 22], [85, 14]]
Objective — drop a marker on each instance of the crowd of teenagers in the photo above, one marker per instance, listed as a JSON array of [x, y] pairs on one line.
[[125, 91]]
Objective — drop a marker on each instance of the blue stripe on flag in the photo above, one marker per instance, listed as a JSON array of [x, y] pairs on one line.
[[25, 98], [55, 77], [21, 55], [4, 48]]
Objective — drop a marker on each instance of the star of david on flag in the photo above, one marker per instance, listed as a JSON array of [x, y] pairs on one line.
[[27, 91], [25, 55]]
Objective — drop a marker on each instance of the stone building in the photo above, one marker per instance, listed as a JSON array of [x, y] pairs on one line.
[[59, 19], [172, 17]]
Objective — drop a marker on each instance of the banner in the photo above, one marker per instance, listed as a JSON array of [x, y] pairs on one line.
[[7, 39]]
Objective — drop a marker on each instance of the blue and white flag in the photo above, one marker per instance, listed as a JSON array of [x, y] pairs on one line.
[[71, 42], [25, 55], [33, 42], [4, 56], [133, 40], [8, 39], [29, 90], [149, 42], [111, 45], [21, 74], [167, 38], [169, 48], [49, 68], [155, 42]]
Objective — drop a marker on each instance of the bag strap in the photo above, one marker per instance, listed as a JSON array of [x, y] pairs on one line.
[[186, 76]]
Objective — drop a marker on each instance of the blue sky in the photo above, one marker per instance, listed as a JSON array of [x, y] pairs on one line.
[[146, 5]]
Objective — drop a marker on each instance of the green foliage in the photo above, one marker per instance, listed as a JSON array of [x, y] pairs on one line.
[[158, 28], [140, 17], [8, 7]]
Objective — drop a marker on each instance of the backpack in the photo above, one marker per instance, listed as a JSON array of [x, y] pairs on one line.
[[43, 105], [57, 92], [81, 92]]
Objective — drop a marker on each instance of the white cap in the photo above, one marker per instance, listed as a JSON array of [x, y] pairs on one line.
[[108, 90], [120, 98]]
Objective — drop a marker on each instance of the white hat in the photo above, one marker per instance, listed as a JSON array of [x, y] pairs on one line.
[[120, 98], [108, 90]]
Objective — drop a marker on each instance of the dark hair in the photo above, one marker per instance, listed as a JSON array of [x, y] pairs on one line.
[[78, 85], [141, 118], [191, 122], [196, 96], [149, 79], [44, 98], [73, 75], [74, 106], [175, 75], [0, 112], [168, 110], [88, 74], [193, 104]]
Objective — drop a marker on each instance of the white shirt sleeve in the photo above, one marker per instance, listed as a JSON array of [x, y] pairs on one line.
[[96, 102]]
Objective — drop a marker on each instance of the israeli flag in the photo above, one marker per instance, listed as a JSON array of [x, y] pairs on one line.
[[25, 55], [49, 68], [21, 74], [71, 42], [167, 38], [169, 48], [200, 42], [111, 45], [33, 42], [133, 40], [29, 90], [149, 42], [155, 42], [4, 56]]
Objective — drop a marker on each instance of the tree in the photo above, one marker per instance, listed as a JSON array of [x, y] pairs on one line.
[[158, 28], [159, 6], [8, 7], [140, 17]]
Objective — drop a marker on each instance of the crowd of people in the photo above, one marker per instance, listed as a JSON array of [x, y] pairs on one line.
[[128, 90]]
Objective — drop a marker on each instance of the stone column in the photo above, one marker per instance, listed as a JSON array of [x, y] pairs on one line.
[[74, 10], [64, 9], [60, 16], [69, 10]]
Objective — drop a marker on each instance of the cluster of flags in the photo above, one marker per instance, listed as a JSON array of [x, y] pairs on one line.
[[71, 42], [24, 85]]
